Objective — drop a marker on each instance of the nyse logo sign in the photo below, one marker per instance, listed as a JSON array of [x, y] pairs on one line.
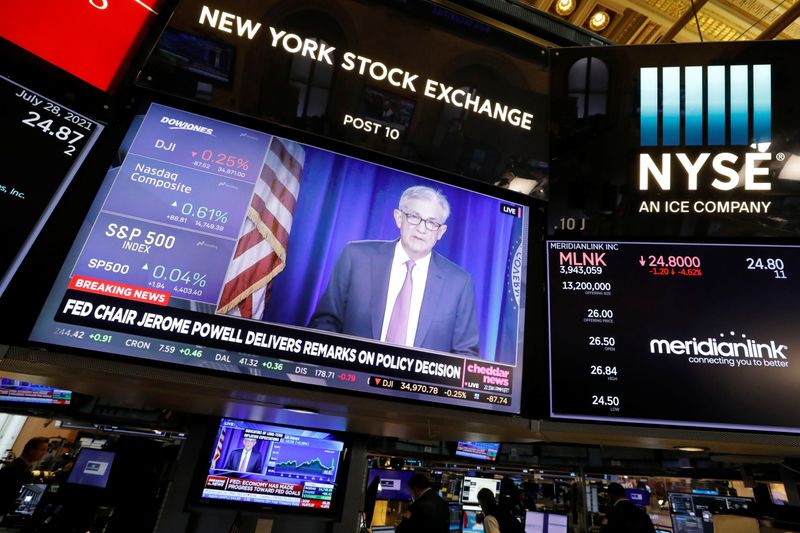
[[695, 106], [706, 109]]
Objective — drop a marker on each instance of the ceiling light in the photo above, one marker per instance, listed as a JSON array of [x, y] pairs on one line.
[[301, 410], [599, 21], [691, 448], [565, 7]]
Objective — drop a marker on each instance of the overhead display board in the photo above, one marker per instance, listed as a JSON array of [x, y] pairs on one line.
[[365, 72], [675, 141], [225, 248], [44, 144], [91, 39], [700, 335]]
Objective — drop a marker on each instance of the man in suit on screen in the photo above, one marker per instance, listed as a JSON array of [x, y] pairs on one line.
[[401, 291], [245, 459]]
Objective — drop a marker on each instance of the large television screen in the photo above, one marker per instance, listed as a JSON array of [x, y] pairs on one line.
[[93, 40], [44, 143], [216, 246], [274, 467], [484, 451], [623, 313]]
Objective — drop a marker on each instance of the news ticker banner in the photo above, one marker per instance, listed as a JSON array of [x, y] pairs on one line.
[[169, 334], [699, 335], [310, 495], [693, 141]]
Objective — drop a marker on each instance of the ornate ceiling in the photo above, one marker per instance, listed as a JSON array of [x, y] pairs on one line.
[[651, 21]]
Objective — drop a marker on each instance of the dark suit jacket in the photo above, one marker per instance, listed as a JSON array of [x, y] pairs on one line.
[[235, 457], [12, 477], [429, 514], [355, 300], [625, 517]]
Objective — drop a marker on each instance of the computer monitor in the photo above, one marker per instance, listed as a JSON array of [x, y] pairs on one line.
[[455, 517], [536, 522], [473, 485], [469, 521], [638, 497], [29, 497], [392, 485], [92, 468]]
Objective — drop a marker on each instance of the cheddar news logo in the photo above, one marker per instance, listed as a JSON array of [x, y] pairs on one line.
[[691, 107]]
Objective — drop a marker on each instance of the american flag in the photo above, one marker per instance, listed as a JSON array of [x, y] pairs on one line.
[[218, 451], [261, 249]]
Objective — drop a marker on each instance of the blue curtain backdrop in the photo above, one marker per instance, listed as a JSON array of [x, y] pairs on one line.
[[343, 199]]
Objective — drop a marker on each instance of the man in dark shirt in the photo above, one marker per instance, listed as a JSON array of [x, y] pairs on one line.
[[624, 516], [428, 513], [18, 472]]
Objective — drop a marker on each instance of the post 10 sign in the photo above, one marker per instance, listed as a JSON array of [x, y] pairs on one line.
[[91, 39]]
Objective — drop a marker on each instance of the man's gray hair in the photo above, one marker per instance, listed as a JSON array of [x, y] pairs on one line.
[[426, 193]]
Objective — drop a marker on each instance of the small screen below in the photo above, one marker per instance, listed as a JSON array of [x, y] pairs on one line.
[[271, 465], [393, 484], [13, 390], [455, 516], [638, 497], [469, 521], [473, 485], [92, 468], [694, 513], [545, 522], [29, 497], [485, 451]]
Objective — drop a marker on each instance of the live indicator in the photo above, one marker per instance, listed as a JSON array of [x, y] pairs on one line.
[[513, 210]]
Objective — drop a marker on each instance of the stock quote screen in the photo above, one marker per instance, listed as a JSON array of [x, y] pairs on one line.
[[221, 247], [37, 129], [275, 466], [696, 334]]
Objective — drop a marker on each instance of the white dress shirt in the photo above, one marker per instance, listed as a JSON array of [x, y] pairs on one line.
[[243, 462], [419, 277]]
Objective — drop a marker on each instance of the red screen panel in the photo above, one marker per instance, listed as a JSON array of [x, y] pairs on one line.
[[91, 39]]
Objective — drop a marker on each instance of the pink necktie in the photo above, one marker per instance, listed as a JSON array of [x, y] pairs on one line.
[[398, 322], [243, 461]]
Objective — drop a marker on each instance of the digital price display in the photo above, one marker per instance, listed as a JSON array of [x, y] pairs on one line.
[[91, 39], [699, 335], [44, 144], [226, 248]]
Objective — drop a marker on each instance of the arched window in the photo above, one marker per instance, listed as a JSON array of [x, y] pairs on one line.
[[312, 81], [587, 83]]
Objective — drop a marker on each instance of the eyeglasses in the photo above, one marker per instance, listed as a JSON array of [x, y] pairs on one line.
[[414, 220]]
